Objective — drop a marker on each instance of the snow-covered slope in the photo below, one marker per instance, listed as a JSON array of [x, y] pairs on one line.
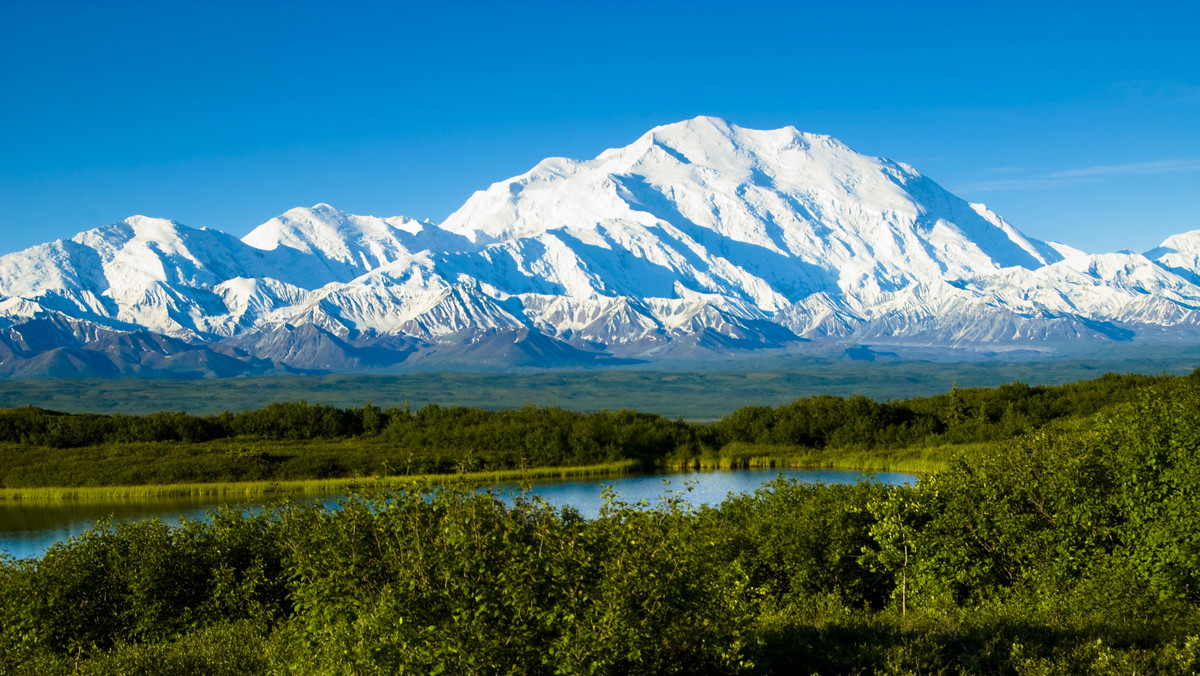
[[700, 237]]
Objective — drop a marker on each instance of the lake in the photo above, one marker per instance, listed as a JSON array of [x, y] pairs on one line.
[[28, 529]]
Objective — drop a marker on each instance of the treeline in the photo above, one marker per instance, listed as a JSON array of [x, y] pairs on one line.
[[1070, 550], [545, 434], [960, 416], [297, 440]]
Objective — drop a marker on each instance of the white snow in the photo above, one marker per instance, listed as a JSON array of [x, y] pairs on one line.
[[695, 225]]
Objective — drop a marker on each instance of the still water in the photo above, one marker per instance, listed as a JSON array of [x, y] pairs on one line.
[[28, 530]]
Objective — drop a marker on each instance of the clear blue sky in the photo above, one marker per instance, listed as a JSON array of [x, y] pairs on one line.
[[1078, 122]]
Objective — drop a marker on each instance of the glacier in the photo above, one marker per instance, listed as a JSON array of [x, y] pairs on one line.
[[700, 239]]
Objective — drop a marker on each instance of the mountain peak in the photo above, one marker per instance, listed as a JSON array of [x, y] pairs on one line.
[[698, 236], [302, 228], [1188, 242], [701, 125], [136, 229], [344, 244], [138, 220], [715, 132], [693, 141], [318, 210], [765, 216]]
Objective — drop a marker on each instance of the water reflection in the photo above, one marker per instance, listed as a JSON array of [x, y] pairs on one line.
[[697, 488], [28, 529]]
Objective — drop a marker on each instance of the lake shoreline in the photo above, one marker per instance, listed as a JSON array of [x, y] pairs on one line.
[[249, 489], [29, 528], [746, 459]]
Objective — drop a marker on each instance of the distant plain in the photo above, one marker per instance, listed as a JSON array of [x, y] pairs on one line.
[[688, 394]]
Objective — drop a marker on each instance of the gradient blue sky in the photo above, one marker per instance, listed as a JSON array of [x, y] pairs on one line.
[[1077, 122]]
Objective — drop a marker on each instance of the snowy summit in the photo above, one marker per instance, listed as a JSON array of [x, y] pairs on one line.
[[700, 238]]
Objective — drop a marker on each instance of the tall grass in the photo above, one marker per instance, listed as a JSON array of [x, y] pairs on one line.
[[303, 487], [741, 455]]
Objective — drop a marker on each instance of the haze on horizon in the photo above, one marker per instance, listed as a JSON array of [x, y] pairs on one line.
[[1075, 122]]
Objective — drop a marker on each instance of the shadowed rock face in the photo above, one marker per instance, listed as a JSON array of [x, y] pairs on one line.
[[699, 239]]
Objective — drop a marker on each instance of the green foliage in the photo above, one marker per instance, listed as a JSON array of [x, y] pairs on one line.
[[792, 578], [459, 583], [453, 582], [299, 441], [1074, 548], [957, 417], [221, 649], [288, 442], [801, 544], [146, 582], [1096, 524]]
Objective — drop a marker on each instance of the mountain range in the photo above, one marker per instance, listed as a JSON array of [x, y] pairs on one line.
[[700, 240]]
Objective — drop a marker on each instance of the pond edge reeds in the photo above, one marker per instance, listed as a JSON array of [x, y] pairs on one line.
[[242, 489]]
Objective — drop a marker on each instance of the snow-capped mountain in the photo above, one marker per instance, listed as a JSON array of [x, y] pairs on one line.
[[699, 238]]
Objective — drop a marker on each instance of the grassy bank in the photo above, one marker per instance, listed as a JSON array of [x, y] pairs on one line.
[[917, 460], [739, 456], [244, 489]]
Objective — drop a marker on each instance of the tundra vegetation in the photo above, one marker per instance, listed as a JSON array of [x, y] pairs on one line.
[[1065, 540], [296, 441]]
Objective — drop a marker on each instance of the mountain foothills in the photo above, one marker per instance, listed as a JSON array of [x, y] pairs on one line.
[[699, 239]]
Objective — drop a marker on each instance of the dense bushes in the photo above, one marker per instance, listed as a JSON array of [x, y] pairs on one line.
[[146, 582], [1112, 515], [1073, 549], [1068, 551], [794, 579], [456, 583]]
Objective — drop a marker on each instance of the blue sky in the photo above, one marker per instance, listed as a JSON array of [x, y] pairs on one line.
[[1077, 122]]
